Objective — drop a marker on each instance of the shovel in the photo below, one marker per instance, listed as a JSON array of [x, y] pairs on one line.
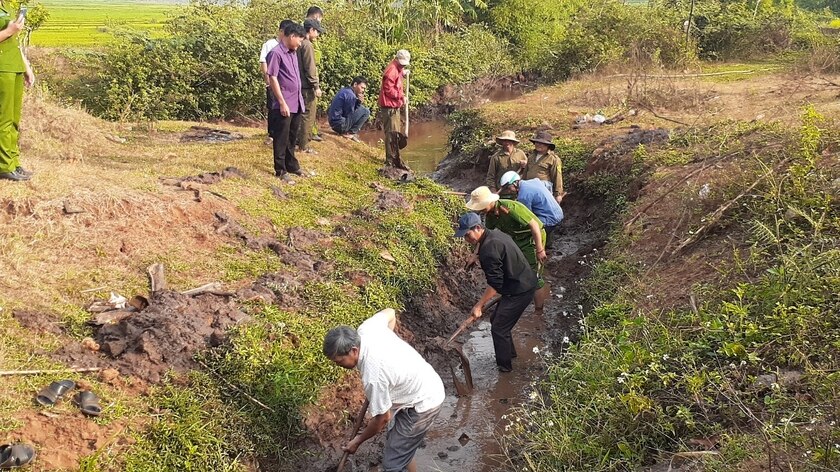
[[407, 79], [350, 434], [446, 345]]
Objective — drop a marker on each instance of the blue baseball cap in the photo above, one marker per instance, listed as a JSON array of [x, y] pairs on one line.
[[467, 222]]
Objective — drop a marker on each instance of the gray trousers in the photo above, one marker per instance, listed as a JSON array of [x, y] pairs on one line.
[[405, 433]]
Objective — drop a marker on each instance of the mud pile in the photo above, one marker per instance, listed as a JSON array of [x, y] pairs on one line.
[[168, 333], [614, 154]]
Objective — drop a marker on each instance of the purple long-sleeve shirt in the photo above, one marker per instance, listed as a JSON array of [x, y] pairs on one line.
[[283, 64]]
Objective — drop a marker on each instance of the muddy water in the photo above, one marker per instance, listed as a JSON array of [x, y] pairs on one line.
[[464, 437], [428, 140], [427, 144]]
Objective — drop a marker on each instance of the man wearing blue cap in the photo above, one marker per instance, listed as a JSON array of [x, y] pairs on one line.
[[508, 274]]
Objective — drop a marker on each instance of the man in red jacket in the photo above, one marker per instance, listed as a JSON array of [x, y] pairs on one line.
[[391, 99]]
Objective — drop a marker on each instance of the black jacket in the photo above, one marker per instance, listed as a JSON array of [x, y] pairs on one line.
[[504, 265]]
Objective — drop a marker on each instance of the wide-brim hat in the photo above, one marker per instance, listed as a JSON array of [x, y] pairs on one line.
[[481, 198], [507, 136], [544, 138]]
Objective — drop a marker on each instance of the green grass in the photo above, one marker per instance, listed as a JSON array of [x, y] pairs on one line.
[[90, 22]]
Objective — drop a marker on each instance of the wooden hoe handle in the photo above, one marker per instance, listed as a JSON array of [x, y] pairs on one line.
[[350, 434]]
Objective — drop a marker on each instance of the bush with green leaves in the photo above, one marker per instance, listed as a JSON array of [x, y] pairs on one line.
[[206, 66], [727, 30]]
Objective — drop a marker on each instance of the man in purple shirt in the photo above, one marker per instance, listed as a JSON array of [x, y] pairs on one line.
[[287, 101]]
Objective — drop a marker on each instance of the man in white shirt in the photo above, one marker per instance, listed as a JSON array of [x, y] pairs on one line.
[[266, 48], [396, 379]]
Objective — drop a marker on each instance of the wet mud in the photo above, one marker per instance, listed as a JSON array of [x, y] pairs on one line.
[[168, 333]]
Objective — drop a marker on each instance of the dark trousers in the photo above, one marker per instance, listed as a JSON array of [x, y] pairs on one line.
[[310, 104], [268, 106], [351, 124], [551, 234], [283, 129], [508, 312]]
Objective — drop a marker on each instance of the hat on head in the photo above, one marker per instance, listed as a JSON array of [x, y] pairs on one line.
[[481, 198], [507, 136], [544, 138], [313, 23], [467, 222], [403, 57], [509, 177]]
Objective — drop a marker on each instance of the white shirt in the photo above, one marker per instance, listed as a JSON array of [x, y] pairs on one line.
[[267, 47], [394, 375]]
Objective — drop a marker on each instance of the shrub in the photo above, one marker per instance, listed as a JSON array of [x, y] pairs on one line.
[[206, 68]]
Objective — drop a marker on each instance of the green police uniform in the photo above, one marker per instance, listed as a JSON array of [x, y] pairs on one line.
[[546, 167], [513, 221], [12, 68]]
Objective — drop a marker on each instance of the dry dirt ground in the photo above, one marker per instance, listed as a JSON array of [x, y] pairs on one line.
[[103, 207]]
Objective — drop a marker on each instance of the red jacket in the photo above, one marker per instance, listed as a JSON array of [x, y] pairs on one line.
[[391, 93]]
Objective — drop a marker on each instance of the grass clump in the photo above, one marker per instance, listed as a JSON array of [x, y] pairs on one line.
[[190, 433], [751, 370]]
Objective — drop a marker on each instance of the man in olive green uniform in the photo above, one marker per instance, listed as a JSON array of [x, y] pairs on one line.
[[309, 85], [518, 222], [15, 72], [543, 164], [505, 159]]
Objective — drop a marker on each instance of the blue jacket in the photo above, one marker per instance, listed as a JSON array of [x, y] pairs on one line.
[[343, 105], [534, 195]]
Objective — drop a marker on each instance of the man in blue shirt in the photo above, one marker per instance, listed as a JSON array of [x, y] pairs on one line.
[[536, 197], [347, 114]]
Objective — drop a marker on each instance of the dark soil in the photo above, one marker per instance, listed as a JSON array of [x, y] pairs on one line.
[[166, 335], [37, 322], [207, 178], [209, 135]]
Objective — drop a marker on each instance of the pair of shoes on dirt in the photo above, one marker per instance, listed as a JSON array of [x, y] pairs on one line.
[[18, 175], [16, 455], [352, 137], [86, 400], [309, 150], [317, 138]]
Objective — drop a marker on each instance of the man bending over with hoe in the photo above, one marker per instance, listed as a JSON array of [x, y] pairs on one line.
[[404, 391]]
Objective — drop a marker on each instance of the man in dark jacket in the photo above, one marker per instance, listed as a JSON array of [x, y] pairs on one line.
[[508, 274], [310, 87], [347, 114]]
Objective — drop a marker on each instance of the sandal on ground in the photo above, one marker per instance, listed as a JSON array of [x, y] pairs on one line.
[[52, 392], [16, 455], [88, 402]]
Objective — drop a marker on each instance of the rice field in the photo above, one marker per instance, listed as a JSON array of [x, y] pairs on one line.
[[86, 23]]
